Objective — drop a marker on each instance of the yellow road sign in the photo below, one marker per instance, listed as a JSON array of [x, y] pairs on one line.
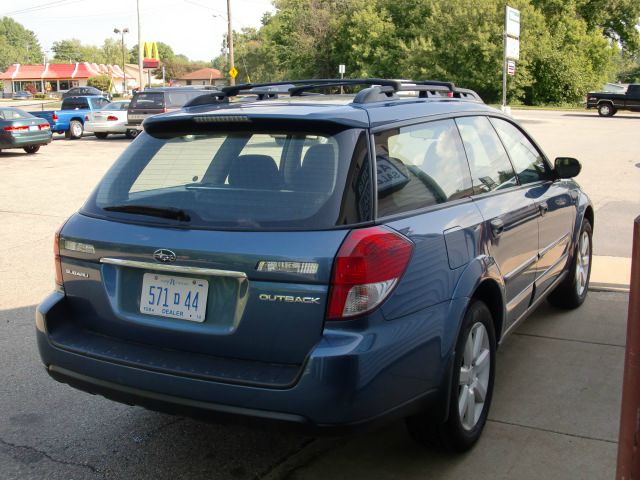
[[233, 72]]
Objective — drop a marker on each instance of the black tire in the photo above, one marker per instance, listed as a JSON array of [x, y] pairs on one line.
[[606, 110], [75, 129], [567, 294], [101, 135], [451, 435], [31, 149], [131, 133], [67, 134]]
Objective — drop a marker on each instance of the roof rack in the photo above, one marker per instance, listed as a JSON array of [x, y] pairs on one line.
[[378, 90]]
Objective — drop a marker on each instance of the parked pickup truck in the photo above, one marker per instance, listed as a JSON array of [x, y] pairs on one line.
[[70, 118], [609, 103]]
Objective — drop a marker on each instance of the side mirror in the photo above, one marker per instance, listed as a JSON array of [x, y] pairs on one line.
[[567, 167]]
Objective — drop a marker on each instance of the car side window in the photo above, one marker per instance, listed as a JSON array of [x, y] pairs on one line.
[[420, 165], [490, 166], [527, 160]]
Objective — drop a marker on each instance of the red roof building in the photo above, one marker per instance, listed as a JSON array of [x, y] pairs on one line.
[[204, 76], [59, 77]]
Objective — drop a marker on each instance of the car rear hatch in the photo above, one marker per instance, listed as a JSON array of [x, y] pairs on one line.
[[217, 244], [145, 104]]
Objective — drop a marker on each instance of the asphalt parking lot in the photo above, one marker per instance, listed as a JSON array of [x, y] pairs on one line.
[[556, 405]]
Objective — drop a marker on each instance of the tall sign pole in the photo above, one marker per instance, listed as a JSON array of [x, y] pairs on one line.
[[511, 48], [140, 71]]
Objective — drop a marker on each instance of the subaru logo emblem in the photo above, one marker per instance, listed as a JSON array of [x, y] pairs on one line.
[[163, 255]]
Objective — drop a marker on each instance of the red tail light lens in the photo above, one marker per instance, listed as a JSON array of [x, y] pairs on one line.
[[367, 268], [56, 258], [16, 129], [450, 94], [165, 110], [54, 117], [112, 118], [44, 126]]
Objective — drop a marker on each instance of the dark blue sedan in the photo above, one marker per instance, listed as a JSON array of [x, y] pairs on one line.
[[331, 261]]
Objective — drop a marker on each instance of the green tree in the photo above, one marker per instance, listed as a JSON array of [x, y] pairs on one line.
[[112, 51], [67, 51], [17, 44], [101, 82]]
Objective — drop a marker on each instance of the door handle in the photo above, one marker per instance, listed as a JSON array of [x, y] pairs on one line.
[[497, 227], [544, 208]]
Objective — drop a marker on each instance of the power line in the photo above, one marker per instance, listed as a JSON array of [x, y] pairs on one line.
[[44, 6]]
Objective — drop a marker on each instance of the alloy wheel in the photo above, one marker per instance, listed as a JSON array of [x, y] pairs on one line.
[[583, 263], [474, 376]]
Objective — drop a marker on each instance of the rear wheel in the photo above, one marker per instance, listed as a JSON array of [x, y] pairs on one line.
[[471, 388], [31, 149], [606, 110], [131, 133], [573, 290], [75, 129], [101, 135]]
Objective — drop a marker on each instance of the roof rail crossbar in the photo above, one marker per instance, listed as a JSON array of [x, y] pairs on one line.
[[433, 88], [393, 84], [234, 90], [208, 99]]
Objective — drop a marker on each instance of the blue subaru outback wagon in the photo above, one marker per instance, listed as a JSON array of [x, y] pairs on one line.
[[329, 260]]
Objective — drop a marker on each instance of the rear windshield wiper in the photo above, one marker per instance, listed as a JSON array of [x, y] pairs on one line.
[[162, 212]]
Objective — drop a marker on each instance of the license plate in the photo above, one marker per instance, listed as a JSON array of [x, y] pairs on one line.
[[137, 117], [174, 297], [33, 128]]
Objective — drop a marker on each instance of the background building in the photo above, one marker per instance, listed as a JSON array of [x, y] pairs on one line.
[[60, 77], [204, 76]]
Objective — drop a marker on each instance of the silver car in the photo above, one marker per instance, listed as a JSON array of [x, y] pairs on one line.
[[109, 119]]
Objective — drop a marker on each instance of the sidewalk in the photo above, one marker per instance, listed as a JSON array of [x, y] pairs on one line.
[[610, 274], [555, 411]]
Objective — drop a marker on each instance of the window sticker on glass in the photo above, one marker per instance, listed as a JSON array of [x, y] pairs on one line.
[[389, 176]]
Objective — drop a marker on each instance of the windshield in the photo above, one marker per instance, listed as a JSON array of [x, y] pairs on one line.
[[240, 180]]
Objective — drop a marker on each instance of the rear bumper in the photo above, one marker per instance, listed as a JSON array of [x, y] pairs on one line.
[[105, 127], [351, 379], [11, 141]]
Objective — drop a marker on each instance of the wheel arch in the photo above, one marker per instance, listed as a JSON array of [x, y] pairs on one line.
[[490, 293]]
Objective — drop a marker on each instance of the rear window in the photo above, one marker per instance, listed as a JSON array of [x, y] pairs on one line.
[[178, 99], [116, 106], [240, 180], [75, 103], [99, 103], [14, 114], [148, 100]]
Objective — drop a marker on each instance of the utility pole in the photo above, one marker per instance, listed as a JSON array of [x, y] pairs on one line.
[[140, 71], [230, 42]]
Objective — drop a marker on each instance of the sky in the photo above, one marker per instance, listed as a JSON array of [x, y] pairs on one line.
[[194, 28]]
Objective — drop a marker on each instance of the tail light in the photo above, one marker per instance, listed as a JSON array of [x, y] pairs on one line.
[[366, 270], [86, 118], [16, 129], [165, 110], [54, 117], [450, 94], [44, 126], [112, 118], [56, 258]]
